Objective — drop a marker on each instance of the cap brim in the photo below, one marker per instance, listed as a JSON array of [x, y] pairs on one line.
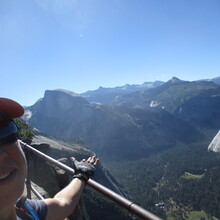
[[11, 108]]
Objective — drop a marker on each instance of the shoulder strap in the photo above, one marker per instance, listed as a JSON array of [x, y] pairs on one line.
[[31, 210], [21, 203]]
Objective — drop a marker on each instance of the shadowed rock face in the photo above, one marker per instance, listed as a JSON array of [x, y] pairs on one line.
[[203, 110], [52, 179]]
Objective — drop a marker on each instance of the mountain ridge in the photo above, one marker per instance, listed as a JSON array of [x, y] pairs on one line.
[[114, 132], [158, 138], [106, 95]]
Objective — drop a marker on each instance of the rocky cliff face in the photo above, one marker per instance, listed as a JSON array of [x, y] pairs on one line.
[[215, 143], [202, 110], [51, 179], [113, 132]]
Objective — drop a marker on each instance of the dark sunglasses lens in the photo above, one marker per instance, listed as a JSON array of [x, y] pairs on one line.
[[8, 133]]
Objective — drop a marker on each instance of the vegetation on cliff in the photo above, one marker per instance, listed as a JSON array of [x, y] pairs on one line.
[[25, 130]]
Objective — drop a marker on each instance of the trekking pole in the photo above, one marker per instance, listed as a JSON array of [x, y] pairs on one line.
[[129, 205]]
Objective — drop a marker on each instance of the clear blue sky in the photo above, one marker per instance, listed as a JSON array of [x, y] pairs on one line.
[[80, 45]]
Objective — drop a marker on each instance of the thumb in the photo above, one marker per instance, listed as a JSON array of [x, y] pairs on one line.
[[73, 159]]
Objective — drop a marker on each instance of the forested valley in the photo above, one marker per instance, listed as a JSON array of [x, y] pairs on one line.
[[175, 182], [154, 141]]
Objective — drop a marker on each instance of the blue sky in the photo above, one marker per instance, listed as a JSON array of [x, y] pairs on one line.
[[80, 45]]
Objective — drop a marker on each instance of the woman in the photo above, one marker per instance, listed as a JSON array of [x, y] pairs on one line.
[[13, 171]]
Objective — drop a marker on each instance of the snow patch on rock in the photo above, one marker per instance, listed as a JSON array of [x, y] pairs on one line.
[[154, 104]]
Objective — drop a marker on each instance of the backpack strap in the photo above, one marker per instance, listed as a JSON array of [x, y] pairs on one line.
[[19, 203], [26, 207], [31, 210]]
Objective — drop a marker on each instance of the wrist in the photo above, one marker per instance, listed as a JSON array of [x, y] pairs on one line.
[[81, 176]]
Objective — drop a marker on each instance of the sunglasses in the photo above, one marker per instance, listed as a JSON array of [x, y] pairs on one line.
[[8, 132]]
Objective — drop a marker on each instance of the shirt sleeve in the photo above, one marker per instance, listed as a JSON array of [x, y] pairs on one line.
[[40, 207]]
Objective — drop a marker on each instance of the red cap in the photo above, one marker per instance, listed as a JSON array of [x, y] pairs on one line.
[[11, 108]]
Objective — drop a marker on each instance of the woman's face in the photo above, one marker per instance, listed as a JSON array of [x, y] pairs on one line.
[[13, 171]]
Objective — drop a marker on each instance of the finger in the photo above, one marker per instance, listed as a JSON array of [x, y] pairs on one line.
[[97, 161], [72, 158], [89, 160], [93, 159]]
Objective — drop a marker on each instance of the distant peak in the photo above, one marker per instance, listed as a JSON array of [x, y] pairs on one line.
[[175, 80], [62, 94], [67, 92]]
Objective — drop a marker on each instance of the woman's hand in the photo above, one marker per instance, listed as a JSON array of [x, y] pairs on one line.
[[85, 168]]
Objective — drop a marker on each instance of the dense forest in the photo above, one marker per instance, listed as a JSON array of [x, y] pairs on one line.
[[176, 182]]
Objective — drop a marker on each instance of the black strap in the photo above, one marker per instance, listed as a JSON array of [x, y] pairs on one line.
[[81, 176], [21, 201]]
